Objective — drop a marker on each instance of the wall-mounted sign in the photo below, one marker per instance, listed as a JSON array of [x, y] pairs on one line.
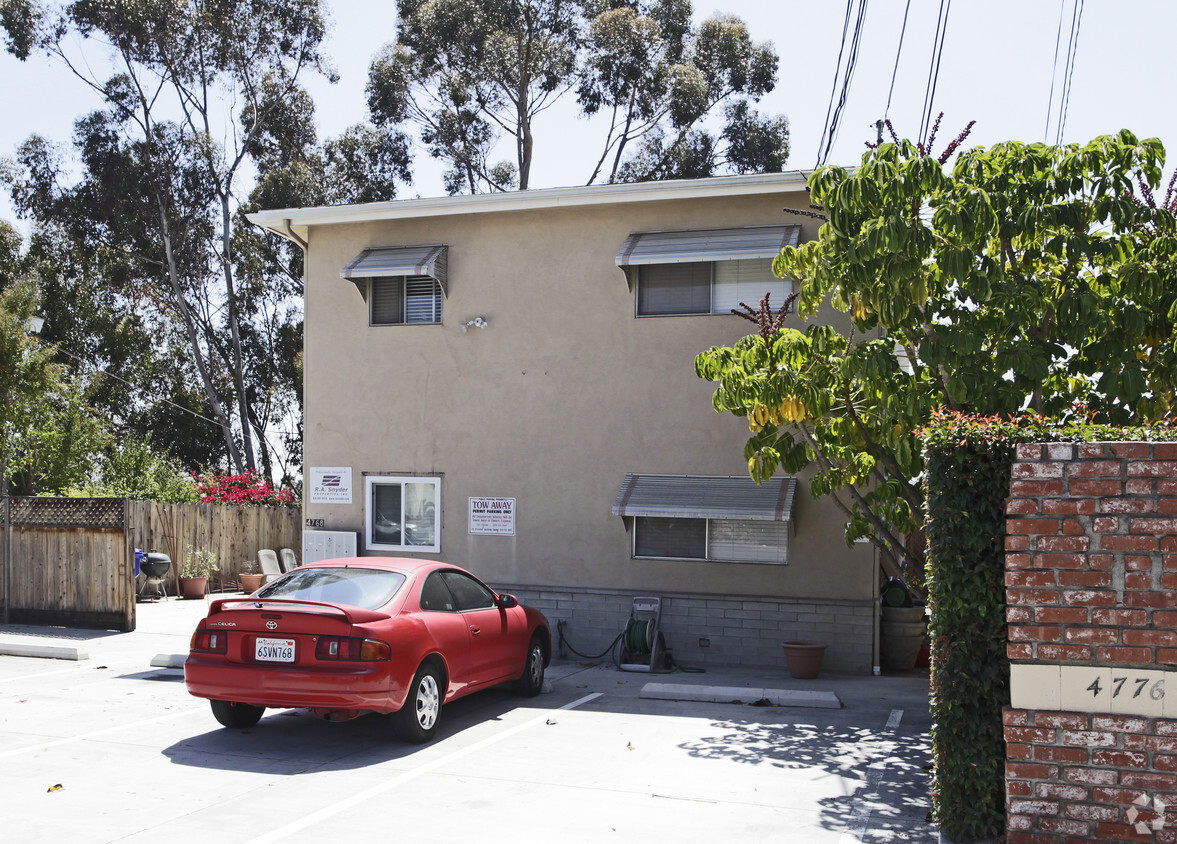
[[330, 484], [494, 516]]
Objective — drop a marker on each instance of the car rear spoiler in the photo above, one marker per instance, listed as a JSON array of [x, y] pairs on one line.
[[354, 615]]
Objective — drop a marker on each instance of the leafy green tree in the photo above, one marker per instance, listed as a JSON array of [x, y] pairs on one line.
[[133, 468], [466, 72], [158, 194], [1023, 276], [47, 436]]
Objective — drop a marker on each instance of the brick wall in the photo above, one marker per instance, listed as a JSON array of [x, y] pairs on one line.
[[1091, 571], [745, 631]]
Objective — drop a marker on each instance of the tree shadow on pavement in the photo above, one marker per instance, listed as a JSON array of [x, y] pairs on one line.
[[886, 773]]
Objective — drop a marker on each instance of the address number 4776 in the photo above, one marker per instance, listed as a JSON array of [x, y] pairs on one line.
[[1133, 686]]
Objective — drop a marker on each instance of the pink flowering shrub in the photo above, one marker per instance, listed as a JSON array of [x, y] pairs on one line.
[[247, 488]]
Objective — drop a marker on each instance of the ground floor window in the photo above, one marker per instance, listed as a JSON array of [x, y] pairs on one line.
[[402, 513], [721, 540]]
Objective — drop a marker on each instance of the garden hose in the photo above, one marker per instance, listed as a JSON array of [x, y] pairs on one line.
[[635, 638], [564, 643]]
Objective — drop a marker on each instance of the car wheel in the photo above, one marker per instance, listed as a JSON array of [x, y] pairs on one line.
[[416, 721], [237, 716], [532, 681]]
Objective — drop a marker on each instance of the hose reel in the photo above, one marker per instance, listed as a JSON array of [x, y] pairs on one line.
[[642, 645]]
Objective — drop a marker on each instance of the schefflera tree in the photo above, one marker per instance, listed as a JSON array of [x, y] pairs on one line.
[[1021, 276]]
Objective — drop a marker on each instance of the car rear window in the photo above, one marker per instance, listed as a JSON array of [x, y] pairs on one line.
[[368, 589]]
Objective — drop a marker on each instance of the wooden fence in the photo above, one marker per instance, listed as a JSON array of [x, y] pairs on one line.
[[73, 559]]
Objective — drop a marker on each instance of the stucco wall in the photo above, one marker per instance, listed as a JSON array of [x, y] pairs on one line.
[[564, 393]]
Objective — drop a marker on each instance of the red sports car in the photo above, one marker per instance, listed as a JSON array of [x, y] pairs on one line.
[[373, 634]]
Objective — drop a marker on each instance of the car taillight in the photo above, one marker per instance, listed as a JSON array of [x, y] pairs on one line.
[[352, 649], [210, 641]]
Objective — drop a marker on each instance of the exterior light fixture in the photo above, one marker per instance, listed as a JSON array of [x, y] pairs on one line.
[[477, 322]]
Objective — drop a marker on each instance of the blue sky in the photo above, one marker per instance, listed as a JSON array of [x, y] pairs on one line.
[[996, 68]]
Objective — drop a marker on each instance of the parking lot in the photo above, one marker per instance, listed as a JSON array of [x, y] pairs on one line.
[[110, 748]]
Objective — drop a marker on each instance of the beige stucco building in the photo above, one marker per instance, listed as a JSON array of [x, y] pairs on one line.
[[506, 381]]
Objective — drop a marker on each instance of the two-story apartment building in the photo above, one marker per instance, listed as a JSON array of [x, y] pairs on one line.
[[506, 381]]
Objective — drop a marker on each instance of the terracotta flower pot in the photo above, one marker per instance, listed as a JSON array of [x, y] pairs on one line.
[[803, 659], [250, 583], [195, 587]]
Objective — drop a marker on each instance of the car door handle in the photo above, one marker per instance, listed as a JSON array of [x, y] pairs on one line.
[[475, 630]]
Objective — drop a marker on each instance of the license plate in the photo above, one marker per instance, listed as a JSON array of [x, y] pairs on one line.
[[274, 650]]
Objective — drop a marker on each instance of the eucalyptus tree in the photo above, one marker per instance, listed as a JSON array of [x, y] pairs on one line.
[[364, 163], [657, 79], [1021, 277], [197, 82], [467, 72]]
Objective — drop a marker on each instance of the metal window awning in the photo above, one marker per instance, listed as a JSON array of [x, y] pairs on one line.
[[399, 261], [706, 497], [709, 245]]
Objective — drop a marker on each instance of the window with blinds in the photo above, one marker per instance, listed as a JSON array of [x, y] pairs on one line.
[[717, 540], [708, 287], [666, 289], [746, 281], [404, 300]]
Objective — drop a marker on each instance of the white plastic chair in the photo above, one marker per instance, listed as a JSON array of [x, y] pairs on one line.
[[289, 561], [268, 560]]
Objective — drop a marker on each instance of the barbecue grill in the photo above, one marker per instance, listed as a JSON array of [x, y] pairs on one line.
[[155, 571]]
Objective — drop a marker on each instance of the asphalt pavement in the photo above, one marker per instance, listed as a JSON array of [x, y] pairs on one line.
[[100, 742]]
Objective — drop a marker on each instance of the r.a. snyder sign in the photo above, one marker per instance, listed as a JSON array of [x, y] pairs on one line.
[[492, 516], [330, 484]]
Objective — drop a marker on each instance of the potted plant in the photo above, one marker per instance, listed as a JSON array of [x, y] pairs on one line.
[[803, 659], [195, 571], [251, 578]]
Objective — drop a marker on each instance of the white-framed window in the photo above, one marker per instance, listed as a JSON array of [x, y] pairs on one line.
[[716, 540], [404, 300], [403, 513], [707, 287]]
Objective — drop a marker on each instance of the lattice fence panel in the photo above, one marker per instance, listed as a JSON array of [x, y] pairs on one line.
[[96, 513]]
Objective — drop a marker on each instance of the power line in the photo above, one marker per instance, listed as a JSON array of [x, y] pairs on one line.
[[834, 113], [898, 51], [833, 88], [129, 384], [1072, 52], [934, 68], [1058, 37]]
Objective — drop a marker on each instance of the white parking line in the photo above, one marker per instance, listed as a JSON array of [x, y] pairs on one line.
[[860, 817], [47, 674], [313, 818], [87, 736]]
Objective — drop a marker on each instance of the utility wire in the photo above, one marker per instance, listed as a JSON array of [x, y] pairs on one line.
[[848, 79], [1072, 52], [1058, 37], [934, 68], [830, 133], [833, 88], [129, 384], [898, 51]]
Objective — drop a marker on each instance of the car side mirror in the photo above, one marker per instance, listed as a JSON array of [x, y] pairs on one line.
[[508, 601]]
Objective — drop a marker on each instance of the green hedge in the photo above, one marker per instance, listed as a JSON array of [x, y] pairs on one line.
[[967, 481], [966, 486]]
